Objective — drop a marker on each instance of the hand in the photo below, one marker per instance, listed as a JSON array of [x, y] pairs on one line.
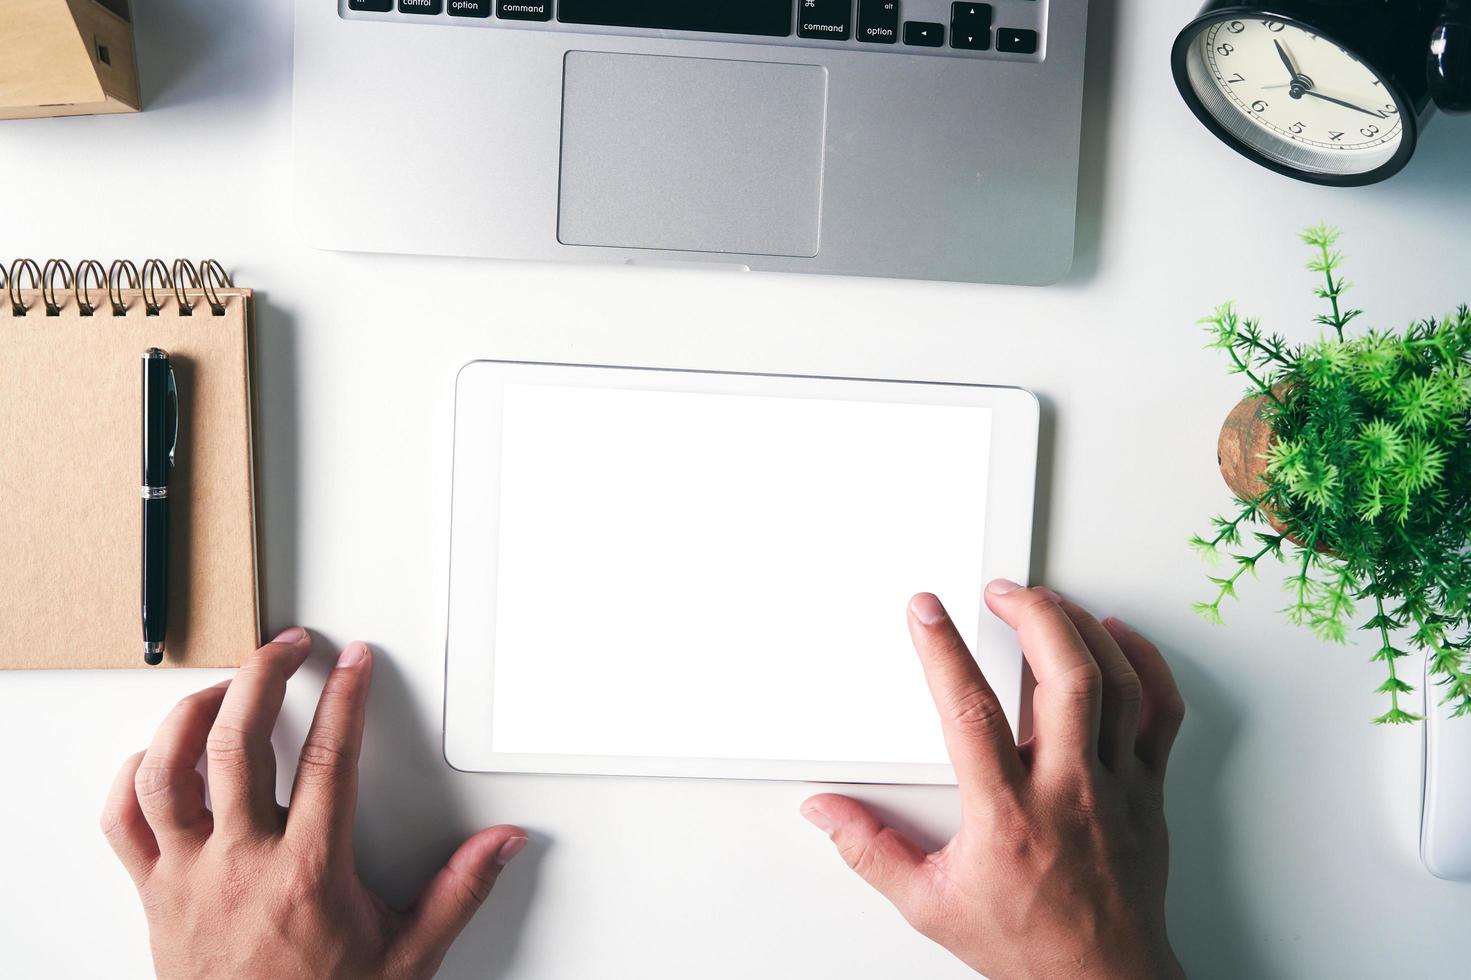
[[1286, 60], [251, 889], [1346, 105], [1060, 864]]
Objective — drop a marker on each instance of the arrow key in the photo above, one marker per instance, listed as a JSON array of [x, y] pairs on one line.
[[974, 17], [924, 34], [968, 39]]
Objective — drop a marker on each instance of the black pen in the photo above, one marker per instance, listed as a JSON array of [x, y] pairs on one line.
[[160, 435]]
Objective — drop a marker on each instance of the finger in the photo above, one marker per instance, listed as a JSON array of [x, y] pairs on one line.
[[454, 895], [1122, 692], [1067, 701], [1163, 710], [324, 796], [242, 764], [977, 735], [885, 858], [168, 786], [124, 825]]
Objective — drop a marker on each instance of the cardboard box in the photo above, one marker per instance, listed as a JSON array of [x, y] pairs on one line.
[[66, 58]]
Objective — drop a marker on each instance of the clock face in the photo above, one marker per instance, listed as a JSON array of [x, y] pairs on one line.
[[1295, 97]]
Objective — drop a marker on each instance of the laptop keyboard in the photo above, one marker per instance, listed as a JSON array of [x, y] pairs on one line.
[[1010, 29]]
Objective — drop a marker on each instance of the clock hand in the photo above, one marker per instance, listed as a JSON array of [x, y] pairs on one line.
[[1346, 105], [1286, 60]]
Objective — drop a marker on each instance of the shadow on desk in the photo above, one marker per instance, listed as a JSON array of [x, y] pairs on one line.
[[417, 821], [1098, 83], [277, 437], [192, 52], [1207, 898], [1439, 169]]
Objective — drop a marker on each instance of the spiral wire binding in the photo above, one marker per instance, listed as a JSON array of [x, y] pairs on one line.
[[93, 270], [184, 270], [18, 268], [57, 281], [48, 283], [115, 274]]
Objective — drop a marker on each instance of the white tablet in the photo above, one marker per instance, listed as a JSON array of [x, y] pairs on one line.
[[685, 573]]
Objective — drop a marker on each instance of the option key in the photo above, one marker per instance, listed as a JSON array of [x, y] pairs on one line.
[[878, 21]]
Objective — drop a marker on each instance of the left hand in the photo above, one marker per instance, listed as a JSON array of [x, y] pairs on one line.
[[252, 889]]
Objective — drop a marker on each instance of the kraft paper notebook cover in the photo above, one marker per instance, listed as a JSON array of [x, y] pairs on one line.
[[70, 471]]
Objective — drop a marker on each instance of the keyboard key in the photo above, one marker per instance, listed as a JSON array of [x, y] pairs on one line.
[[420, 6], [469, 8], [970, 39], [975, 17], [970, 26], [524, 9], [924, 35], [830, 19], [371, 6], [878, 21], [1016, 40], [766, 18]]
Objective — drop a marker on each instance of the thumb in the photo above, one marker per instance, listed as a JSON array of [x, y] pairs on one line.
[[884, 857], [455, 894]]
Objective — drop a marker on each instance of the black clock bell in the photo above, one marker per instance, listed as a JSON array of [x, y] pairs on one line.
[[1329, 91]]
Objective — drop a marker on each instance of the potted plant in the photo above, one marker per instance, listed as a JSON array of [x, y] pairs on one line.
[[1350, 461]]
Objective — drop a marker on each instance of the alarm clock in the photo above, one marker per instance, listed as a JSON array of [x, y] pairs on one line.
[[1329, 91]]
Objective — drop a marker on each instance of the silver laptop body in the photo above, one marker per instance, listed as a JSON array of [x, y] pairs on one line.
[[920, 139]]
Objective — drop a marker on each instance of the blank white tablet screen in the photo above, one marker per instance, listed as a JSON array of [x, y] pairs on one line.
[[690, 575]]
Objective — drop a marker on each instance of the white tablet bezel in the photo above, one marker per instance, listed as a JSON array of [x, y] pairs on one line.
[[469, 672]]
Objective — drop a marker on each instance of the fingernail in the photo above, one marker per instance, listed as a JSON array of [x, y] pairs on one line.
[[1002, 586], [1115, 621], [294, 635], [819, 820], [927, 609], [1049, 593], [353, 654], [512, 847], [223, 683]]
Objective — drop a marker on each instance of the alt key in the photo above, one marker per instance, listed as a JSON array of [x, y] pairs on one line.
[[469, 8]]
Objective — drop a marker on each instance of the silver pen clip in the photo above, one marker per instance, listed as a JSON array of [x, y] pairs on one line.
[[173, 410]]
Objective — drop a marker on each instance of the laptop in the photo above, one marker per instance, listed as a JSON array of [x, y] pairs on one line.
[[921, 139]]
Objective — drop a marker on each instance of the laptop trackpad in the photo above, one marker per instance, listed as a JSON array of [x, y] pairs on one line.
[[691, 154]]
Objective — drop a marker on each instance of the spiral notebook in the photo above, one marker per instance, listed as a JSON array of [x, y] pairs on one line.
[[70, 434]]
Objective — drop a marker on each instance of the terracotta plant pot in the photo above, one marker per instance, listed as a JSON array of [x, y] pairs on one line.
[[1242, 448], [1241, 452]]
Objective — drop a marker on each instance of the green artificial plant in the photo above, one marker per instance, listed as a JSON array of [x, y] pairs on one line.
[[1365, 491]]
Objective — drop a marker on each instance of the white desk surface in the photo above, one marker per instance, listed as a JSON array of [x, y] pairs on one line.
[[1293, 819]]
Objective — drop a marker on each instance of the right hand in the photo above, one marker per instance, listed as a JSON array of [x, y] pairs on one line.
[[1060, 864]]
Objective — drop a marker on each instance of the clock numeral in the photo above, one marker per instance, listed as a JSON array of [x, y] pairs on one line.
[[1236, 27], [1224, 49], [1335, 137], [1389, 110], [1370, 131], [1296, 128], [1273, 25], [1236, 78], [1259, 106]]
